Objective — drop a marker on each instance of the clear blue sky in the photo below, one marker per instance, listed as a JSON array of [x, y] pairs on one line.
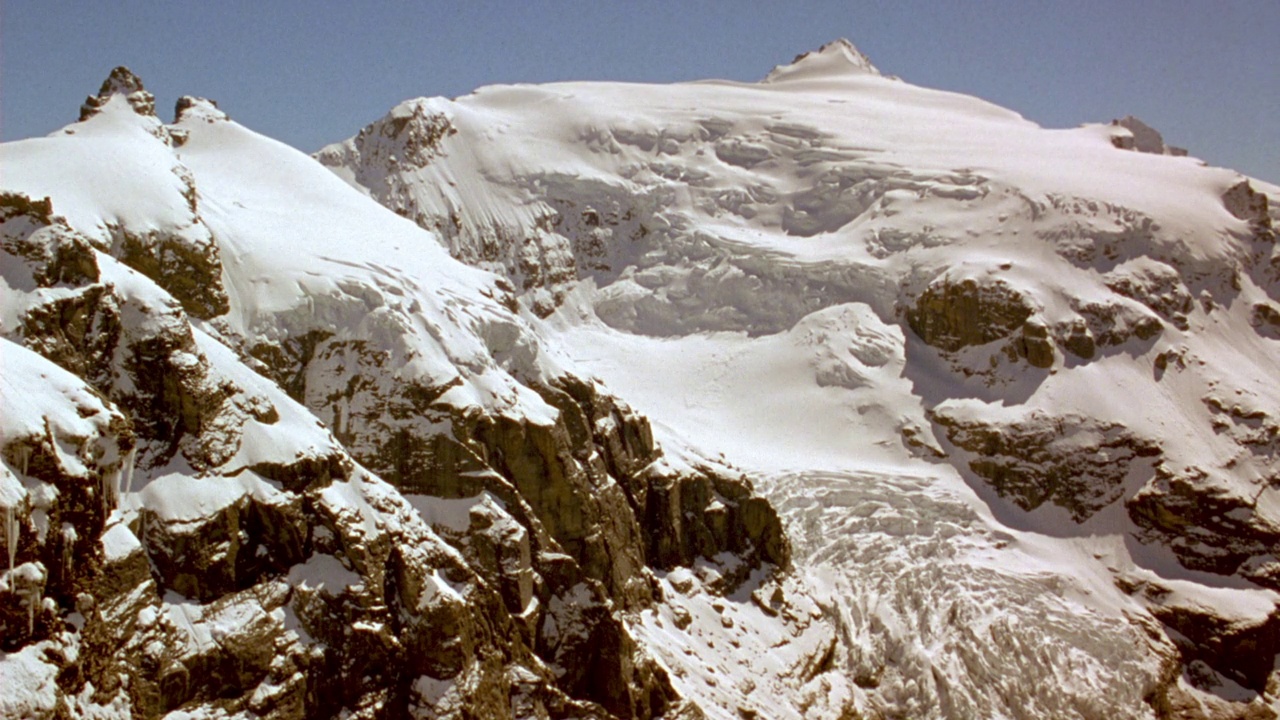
[[1207, 74]]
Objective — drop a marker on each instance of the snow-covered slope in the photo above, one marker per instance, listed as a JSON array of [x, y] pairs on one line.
[[1014, 388], [269, 451]]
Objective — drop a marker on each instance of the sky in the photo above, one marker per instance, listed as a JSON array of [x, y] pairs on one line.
[[1206, 74]]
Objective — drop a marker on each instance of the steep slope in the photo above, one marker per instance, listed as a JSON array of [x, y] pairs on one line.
[[1015, 388], [268, 451]]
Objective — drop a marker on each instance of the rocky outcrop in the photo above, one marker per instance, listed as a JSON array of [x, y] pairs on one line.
[[951, 315], [590, 480], [53, 252], [180, 255], [1155, 285], [1242, 650], [1077, 463], [1218, 647], [325, 591], [1141, 137], [1210, 523], [186, 265], [1245, 203], [1265, 318], [121, 82], [142, 355], [1102, 325]]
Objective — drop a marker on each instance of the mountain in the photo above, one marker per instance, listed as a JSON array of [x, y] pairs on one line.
[[825, 396], [1012, 388], [270, 452]]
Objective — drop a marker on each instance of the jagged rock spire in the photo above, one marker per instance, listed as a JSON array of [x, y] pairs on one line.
[[121, 81]]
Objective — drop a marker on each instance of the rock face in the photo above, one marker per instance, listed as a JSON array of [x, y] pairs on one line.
[[951, 316], [183, 531], [1141, 137], [1077, 463], [1233, 533]]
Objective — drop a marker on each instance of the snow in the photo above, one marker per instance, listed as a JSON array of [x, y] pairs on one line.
[[53, 401], [832, 60], [294, 430], [119, 542], [110, 170], [181, 499], [323, 572], [30, 683]]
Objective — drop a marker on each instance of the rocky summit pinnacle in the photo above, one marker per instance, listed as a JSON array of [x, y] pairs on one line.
[[121, 81], [834, 59]]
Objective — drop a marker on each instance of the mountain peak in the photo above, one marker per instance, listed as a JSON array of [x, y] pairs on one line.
[[1142, 138], [121, 81], [190, 107], [835, 59]]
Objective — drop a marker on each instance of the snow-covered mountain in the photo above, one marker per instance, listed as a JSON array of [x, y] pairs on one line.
[[1013, 388], [825, 396], [270, 452]]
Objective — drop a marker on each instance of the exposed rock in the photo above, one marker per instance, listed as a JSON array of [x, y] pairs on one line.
[[1112, 324], [1242, 650], [1077, 339], [1266, 319], [243, 531], [1155, 285], [188, 106], [1208, 523], [52, 251], [1245, 203], [1142, 138], [1080, 464], [831, 60], [187, 265], [121, 81], [59, 481], [951, 315], [1035, 344]]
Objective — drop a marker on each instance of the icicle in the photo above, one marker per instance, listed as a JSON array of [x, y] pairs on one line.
[[11, 533], [33, 602], [110, 491], [128, 469], [69, 538], [24, 452]]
